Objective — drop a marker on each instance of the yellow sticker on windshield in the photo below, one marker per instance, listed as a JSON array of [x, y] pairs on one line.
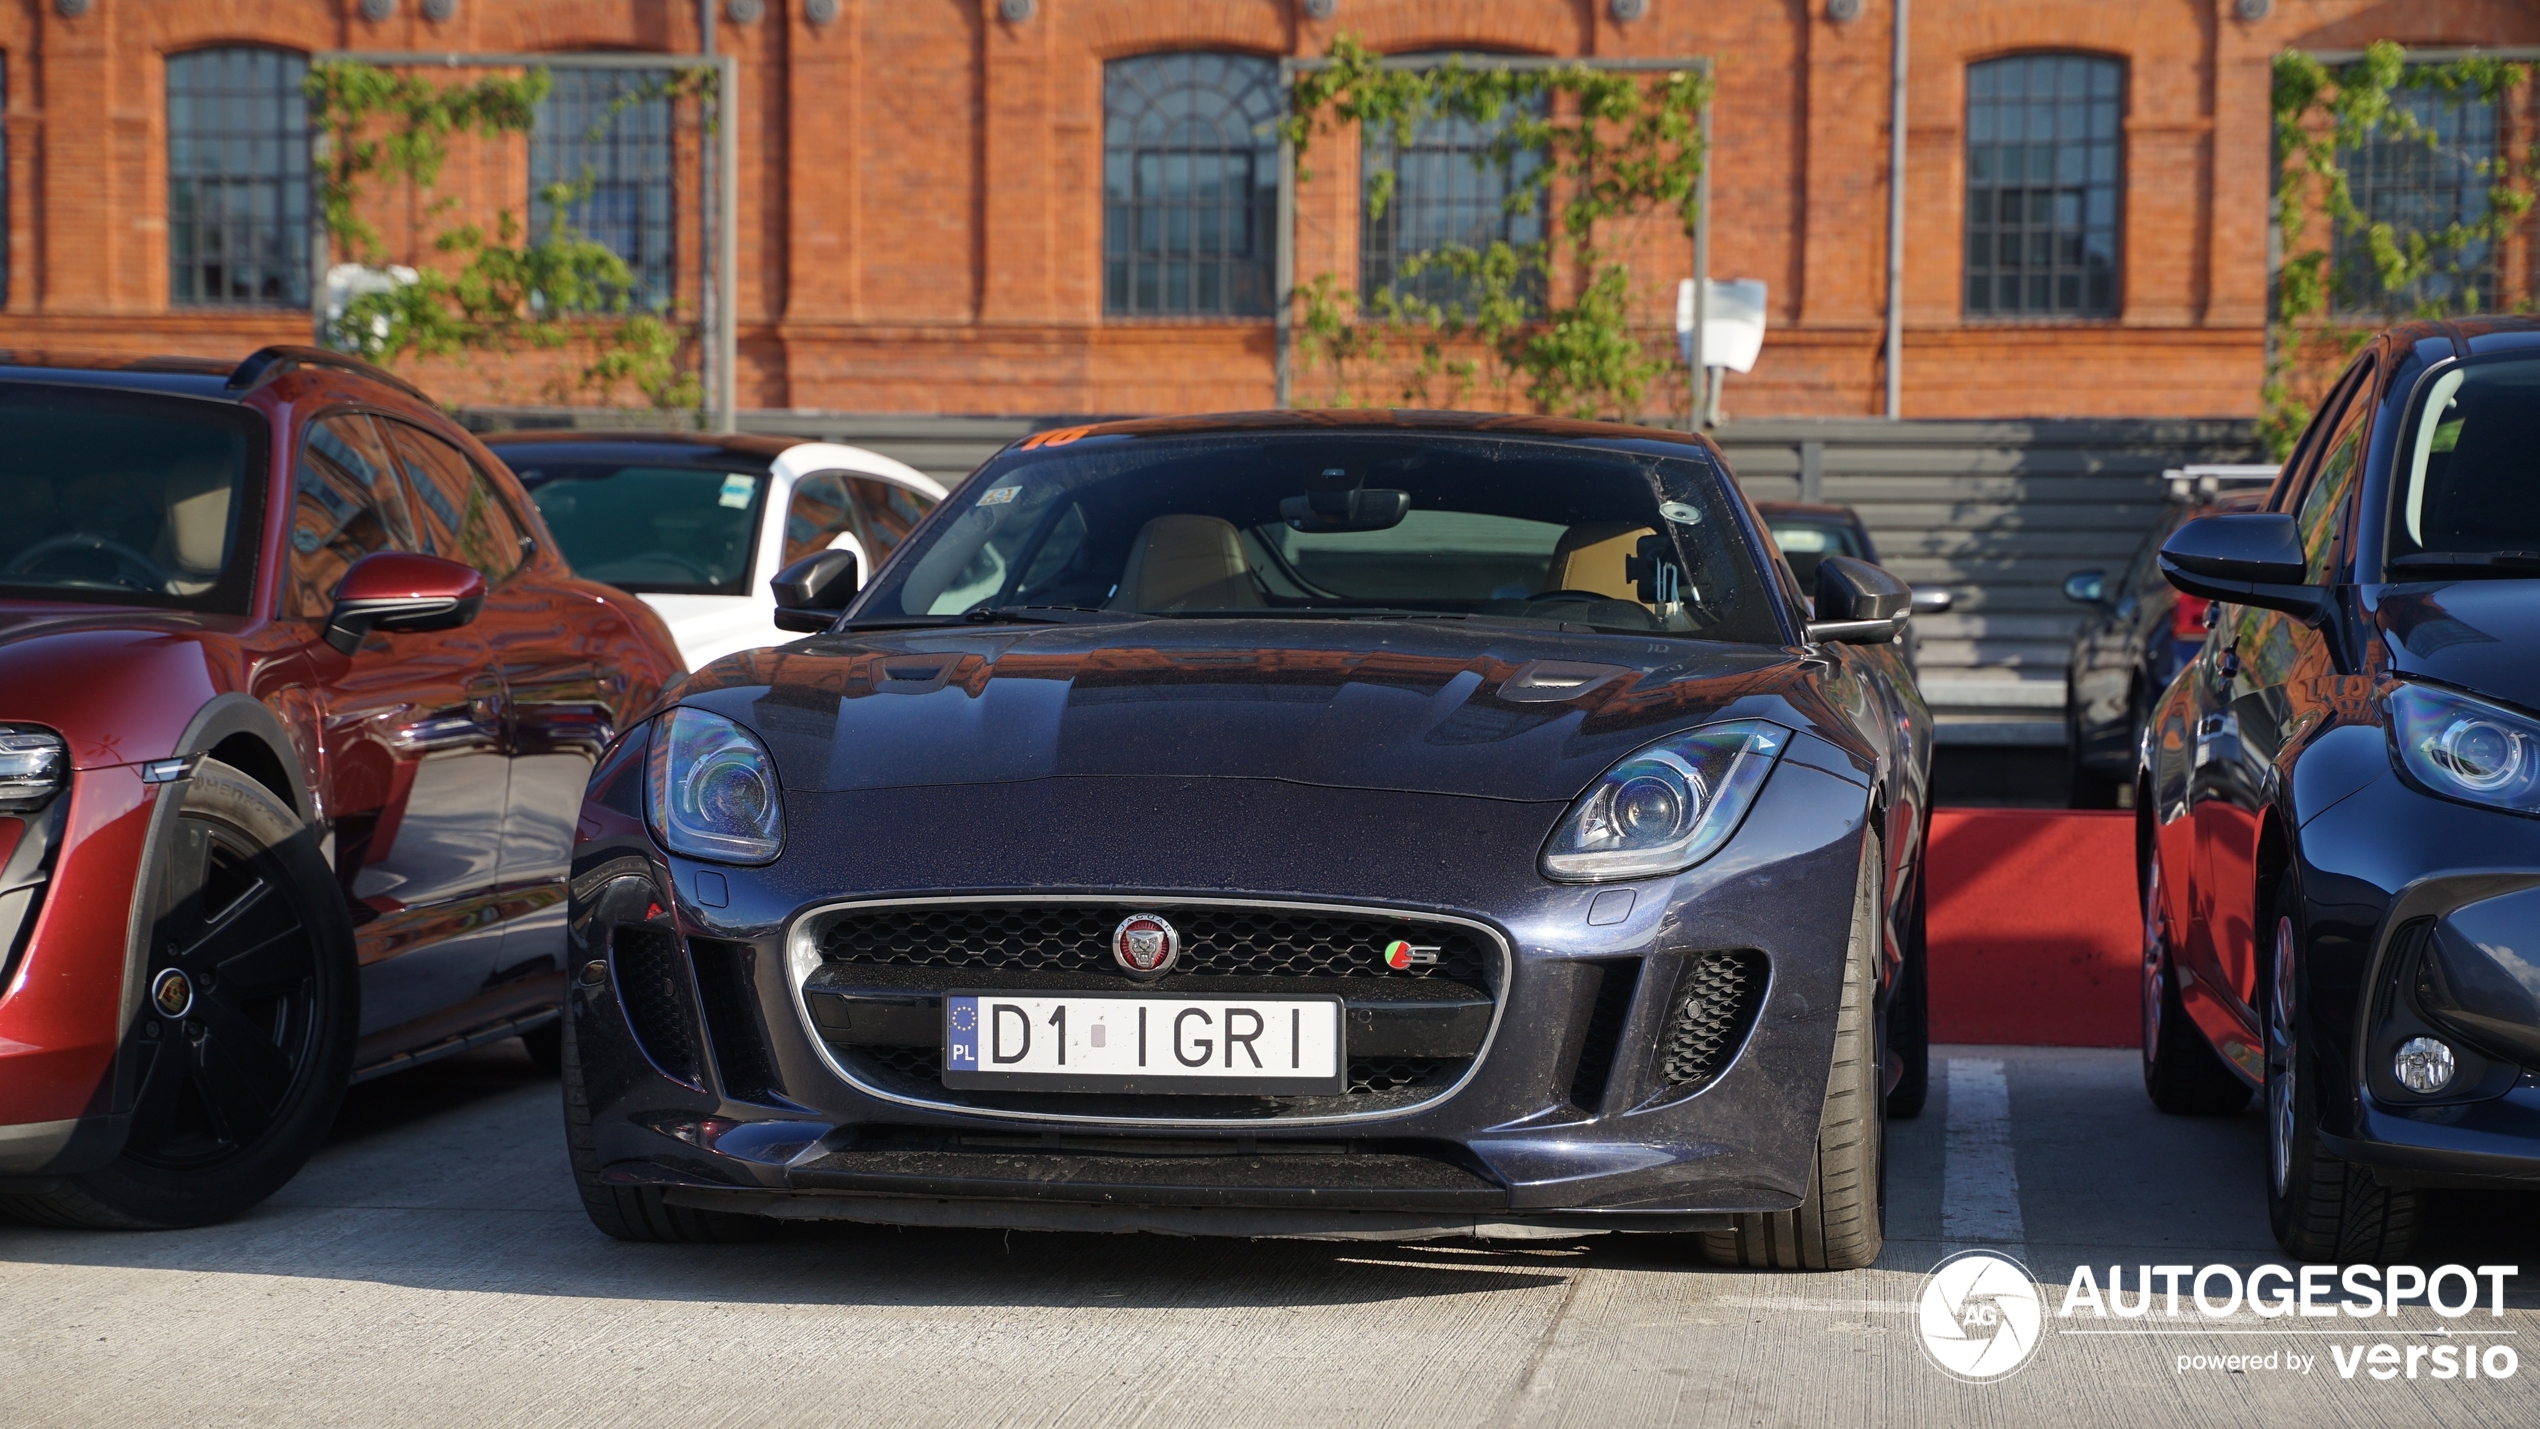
[[999, 496]]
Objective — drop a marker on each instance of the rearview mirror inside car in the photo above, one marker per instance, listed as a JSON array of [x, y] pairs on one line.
[[399, 590], [2086, 587], [812, 591], [1858, 603], [2247, 557]]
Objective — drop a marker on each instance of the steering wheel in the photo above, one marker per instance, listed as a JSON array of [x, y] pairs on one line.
[[1557, 598], [133, 570], [692, 567]]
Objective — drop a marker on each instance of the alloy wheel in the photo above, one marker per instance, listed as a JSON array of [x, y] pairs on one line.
[[230, 1015], [2280, 1074], [2152, 961]]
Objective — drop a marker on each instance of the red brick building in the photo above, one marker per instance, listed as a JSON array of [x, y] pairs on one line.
[[922, 184]]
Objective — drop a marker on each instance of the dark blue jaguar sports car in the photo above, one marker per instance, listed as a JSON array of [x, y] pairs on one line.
[[1334, 824]]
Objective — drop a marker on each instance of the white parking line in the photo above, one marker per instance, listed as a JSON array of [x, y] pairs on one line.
[[1980, 1183]]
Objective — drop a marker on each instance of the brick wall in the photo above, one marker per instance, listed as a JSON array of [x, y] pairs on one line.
[[920, 215]]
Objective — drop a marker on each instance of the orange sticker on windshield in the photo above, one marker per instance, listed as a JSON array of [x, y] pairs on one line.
[[1057, 437]]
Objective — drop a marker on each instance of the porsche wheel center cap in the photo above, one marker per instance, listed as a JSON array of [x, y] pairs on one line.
[[1145, 945], [173, 993]]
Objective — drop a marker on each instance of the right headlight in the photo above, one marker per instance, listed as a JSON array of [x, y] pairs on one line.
[[713, 790], [1667, 807], [33, 764], [2466, 748]]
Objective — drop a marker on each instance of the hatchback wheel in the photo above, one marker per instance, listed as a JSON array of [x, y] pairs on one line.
[[239, 1055], [2181, 1070]]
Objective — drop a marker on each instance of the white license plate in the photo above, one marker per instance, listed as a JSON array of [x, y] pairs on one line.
[[1128, 1042]]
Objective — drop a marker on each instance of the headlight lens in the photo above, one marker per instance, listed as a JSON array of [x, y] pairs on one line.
[[33, 764], [2467, 748], [714, 790], [1667, 807]]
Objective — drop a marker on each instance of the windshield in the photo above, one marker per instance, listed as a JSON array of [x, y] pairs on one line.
[[1341, 524], [2468, 486], [127, 498], [1805, 543], [666, 530]]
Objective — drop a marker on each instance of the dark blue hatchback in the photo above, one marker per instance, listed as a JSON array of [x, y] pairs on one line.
[[1329, 824]]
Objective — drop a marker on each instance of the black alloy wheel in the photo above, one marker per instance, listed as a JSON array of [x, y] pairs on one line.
[[237, 1058], [2182, 1072], [2321, 1208]]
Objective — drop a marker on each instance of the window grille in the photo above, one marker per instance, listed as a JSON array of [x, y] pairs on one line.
[[608, 133], [1190, 185], [238, 177], [1448, 191], [2045, 171], [2421, 182]]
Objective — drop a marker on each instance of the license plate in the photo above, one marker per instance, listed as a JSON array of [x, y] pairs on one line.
[[1128, 1042]]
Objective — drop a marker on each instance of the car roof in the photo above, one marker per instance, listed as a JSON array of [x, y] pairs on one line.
[[1395, 419], [182, 376], [601, 446]]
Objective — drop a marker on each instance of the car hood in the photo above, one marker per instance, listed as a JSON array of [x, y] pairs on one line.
[[2477, 635], [1446, 708], [119, 683]]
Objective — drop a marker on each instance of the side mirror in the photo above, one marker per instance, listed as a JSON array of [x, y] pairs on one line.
[[2086, 587], [1933, 600], [1858, 603], [2248, 558], [399, 590], [811, 592]]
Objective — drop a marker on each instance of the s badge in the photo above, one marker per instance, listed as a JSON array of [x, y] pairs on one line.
[[1145, 945], [1400, 955]]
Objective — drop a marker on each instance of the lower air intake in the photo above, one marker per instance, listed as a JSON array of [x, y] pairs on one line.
[[1715, 1006], [653, 988]]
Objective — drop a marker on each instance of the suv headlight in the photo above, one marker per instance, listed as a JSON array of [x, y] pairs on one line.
[[713, 790], [2466, 748], [1667, 807], [33, 764]]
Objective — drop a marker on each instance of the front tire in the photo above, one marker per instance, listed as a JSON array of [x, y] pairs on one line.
[[2321, 1208], [244, 1041], [1841, 1223], [1909, 1016], [2182, 1072], [636, 1213]]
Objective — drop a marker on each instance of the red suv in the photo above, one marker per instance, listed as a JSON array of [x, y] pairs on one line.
[[297, 701]]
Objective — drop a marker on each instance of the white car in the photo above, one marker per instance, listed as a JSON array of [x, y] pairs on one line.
[[697, 525]]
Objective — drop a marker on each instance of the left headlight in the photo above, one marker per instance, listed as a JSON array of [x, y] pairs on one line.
[[1667, 807], [2467, 748], [713, 788], [33, 764]]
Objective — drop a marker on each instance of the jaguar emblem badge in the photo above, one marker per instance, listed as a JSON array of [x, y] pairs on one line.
[[1145, 945]]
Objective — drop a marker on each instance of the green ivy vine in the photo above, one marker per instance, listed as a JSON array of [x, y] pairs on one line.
[[503, 289], [1587, 147], [2323, 115]]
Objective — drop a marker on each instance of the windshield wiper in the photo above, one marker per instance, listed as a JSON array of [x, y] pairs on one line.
[[1046, 615], [2470, 563]]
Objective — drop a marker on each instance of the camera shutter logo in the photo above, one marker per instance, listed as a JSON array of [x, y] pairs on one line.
[[1979, 1316], [1145, 945]]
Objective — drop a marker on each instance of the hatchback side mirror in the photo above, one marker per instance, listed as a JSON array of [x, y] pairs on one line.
[[2086, 587], [2246, 557], [1858, 603], [399, 590], [812, 591]]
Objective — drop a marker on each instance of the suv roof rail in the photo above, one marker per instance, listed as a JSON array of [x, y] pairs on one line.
[[268, 363]]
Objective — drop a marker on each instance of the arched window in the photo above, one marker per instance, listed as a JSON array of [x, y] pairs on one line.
[[2045, 170], [1190, 178], [607, 133], [238, 177], [2421, 183]]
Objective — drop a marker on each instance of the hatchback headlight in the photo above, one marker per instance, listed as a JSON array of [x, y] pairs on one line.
[[714, 791], [33, 764], [2467, 748], [1667, 807]]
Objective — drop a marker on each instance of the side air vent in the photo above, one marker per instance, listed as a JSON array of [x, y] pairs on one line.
[[653, 988], [733, 1022], [1715, 1006], [1611, 1006]]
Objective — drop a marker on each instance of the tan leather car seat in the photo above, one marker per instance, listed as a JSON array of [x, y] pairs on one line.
[[197, 533], [1186, 563], [1590, 556]]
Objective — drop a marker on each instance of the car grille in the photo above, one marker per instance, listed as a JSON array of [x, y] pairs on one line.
[[1715, 1005], [1028, 943], [1076, 937]]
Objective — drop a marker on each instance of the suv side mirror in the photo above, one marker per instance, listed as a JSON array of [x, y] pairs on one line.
[[2246, 557], [812, 591], [2086, 587], [1933, 600], [399, 590], [1858, 603]]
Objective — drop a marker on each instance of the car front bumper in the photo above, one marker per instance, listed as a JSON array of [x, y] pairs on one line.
[[755, 1110]]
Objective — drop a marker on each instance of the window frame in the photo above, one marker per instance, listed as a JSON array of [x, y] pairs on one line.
[[2117, 185], [1122, 211], [292, 189]]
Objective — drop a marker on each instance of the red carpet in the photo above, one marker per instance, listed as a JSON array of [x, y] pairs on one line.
[[2034, 935]]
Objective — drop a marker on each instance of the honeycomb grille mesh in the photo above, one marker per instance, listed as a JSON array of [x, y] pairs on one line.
[[1076, 937], [1715, 1005], [654, 991]]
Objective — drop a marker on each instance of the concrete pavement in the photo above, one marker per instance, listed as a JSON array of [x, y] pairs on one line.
[[433, 1267]]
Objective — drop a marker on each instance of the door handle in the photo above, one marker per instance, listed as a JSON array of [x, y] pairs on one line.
[[2229, 664]]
